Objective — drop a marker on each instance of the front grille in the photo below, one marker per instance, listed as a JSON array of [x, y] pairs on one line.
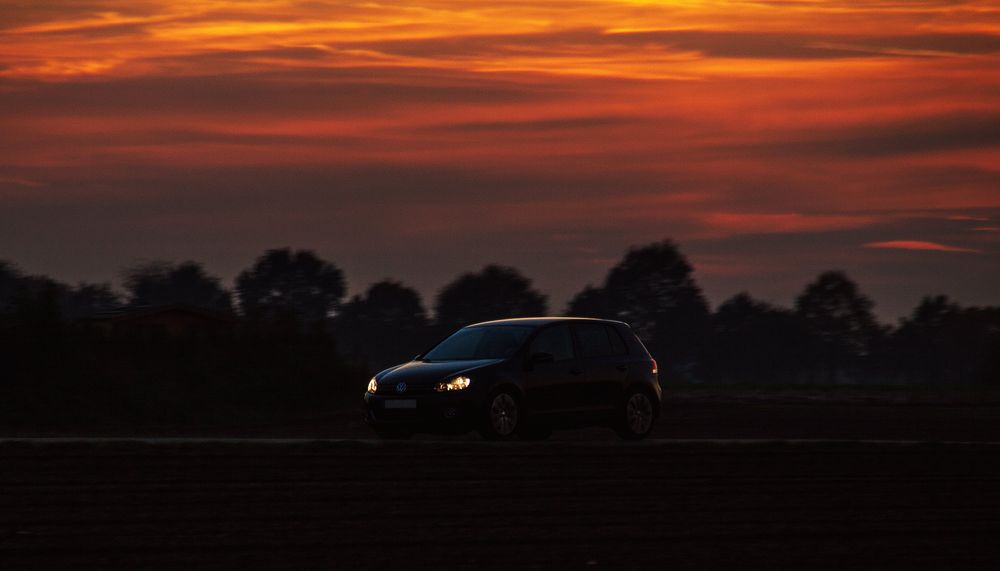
[[389, 390]]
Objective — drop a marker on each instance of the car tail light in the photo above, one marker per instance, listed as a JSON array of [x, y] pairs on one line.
[[656, 369]]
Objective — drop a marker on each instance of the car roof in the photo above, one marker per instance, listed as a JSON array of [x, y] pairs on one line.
[[540, 321]]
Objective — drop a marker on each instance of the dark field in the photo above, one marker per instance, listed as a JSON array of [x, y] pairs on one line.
[[583, 499]]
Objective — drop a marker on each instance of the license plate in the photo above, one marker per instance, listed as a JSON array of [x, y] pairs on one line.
[[401, 403]]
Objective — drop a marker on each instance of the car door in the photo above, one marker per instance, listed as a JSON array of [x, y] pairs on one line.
[[553, 378], [603, 360]]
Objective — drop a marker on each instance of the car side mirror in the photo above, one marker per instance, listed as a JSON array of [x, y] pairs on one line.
[[539, 358]]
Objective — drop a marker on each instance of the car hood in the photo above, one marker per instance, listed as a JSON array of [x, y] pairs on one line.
[[417, 373]]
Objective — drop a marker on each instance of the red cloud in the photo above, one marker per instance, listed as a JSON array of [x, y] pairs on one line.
[[780, 223], [917, 245], [962, 217]]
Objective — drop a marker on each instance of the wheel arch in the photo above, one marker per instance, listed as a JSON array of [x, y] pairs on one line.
[[510, 387]]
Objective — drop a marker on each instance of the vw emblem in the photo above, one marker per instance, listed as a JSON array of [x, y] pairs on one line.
[[401, 388]]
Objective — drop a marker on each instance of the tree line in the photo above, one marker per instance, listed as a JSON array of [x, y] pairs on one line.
[[296, 340]]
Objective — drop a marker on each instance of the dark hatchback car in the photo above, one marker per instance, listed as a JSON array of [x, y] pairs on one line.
[[521, 377]]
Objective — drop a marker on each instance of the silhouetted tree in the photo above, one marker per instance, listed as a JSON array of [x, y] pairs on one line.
[[385, 326], [944, 342], [753, 342], [31, 326], [72, 303], [165, 283], [496, 292], [88, 300], [839, 322], [37, 300], [10, 281], [283, 284], [653, 290], [36, 328], [591, 302]]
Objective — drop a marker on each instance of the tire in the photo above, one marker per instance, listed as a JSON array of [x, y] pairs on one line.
[[502, 416], [636, 417]]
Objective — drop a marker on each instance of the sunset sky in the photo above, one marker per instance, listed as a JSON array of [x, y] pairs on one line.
[[419, 140]]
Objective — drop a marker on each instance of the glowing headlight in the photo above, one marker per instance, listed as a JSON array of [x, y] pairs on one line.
[[372, 385], [456, 384]]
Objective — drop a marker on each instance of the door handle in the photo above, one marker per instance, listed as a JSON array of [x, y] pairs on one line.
[[575, 372], [622, 368]]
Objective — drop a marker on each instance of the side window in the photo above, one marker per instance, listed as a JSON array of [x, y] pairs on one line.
[[556, 341], [617, 343], [593, 339]]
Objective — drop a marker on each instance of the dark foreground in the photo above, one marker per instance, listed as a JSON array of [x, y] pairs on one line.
[[343, 504]]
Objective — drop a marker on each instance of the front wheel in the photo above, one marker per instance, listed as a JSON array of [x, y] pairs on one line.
[[502, 416], [636, 418]]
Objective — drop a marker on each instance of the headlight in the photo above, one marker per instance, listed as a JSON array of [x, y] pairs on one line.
[[456, 384], [372, 385]]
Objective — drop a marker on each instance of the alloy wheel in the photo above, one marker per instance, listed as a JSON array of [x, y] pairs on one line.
[[503, 414], [639, 414]]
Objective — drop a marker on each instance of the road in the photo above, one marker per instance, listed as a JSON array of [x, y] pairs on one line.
[[569, 503]]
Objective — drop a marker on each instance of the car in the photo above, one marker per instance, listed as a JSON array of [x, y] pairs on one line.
[[521, 378]]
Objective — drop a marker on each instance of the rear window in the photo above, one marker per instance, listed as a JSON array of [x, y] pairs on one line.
[[598, 340], [617, 343]]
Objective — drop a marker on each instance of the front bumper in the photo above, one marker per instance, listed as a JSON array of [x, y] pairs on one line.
[[442, 411]]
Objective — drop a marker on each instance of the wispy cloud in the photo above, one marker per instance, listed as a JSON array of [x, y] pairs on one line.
[[783, 223], [19, 181], [257, 123], [918, 245]]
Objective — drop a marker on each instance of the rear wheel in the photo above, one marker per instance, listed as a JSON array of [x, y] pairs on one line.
[[636, 418], [502, 417]]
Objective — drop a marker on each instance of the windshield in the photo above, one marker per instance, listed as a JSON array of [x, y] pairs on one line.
[[483, 342]]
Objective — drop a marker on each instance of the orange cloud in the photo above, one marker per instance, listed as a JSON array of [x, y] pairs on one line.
[[624, 121], [917, 245], [602, 38]]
